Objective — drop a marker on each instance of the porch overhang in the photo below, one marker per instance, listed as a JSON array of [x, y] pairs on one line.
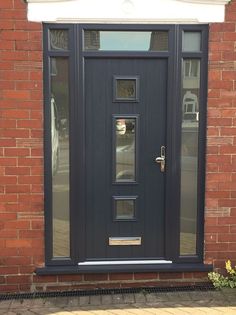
[[127, 11]]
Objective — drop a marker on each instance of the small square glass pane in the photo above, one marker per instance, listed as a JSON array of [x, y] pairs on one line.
[[191, 41], [124, 209], [126, 89], [59, 39]]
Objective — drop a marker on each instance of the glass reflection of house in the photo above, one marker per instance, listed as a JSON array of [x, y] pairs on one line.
[[159, 41], [92, 40]]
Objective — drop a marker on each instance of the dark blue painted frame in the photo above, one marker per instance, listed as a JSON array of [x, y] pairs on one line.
[[77, 56]]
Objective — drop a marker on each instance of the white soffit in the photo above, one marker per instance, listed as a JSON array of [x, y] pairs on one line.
[[127, 11]]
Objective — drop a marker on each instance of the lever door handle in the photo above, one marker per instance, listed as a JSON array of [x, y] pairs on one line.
[[162, 159]]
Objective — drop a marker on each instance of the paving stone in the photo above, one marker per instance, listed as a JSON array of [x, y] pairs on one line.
[[129, 298], [106, 299], [95, 300], [37, 303], [5, 304], [62, 302], [117, 299], [157, 297], [84, 300], [17, 304], [73, 301], [46, 310], [140, 297]]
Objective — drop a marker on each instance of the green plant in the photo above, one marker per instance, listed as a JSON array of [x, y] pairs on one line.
[[221, 281]]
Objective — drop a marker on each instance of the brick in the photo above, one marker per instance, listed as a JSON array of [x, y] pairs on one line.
[[219, 122], [9, 123], [18, 261], [20, 94], [220, 85], [14, 35], [26, 25], [30, 123], [121, 276], [28, 45], [7, 234], [15, 114], [31, 234], [28, 85], [6, 4], [14, 133], [16, 279], [20, 243], [17, 170], [14, 75], [227, 237], [16, 152], [217, 247], [17, 189], [9, 45], [14, 55], [70, 278], [29, 161], [17, 224], [145, 276], [170, 275], [96, 277], [7, 161]]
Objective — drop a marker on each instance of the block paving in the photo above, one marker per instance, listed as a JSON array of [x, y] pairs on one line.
[[161, 303]]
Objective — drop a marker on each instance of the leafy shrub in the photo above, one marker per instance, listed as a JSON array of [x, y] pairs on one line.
[[221, 281]]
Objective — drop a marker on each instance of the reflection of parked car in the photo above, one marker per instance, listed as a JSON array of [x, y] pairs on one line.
[[54, 136]]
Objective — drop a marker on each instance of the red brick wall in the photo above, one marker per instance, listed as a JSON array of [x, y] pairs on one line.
[[220, 223], [21, 159], [21, 147]]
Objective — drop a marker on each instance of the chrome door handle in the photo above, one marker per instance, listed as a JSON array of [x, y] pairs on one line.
[[162, 159]]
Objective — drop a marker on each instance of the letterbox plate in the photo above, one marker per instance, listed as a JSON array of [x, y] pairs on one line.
[[124, 241]]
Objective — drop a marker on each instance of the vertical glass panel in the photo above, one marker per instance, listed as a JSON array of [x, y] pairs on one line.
[[125, 149], [59, 39], [60, 155], [124, 209], [124, 40], [125, 89], [189, 155], [191, 41]]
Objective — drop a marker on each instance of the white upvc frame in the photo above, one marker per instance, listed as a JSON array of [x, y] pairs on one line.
[[127, 11]]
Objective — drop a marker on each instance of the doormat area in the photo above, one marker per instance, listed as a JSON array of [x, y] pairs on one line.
[[34, 295]]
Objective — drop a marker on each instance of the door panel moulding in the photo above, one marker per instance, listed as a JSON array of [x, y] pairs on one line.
[[127, 11]]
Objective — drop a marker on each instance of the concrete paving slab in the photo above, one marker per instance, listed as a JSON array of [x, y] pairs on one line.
[[171, 303]]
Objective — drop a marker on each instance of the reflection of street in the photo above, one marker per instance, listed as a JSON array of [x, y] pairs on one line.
[[125, 157], [61, 203], [61, 184], [125, 151]]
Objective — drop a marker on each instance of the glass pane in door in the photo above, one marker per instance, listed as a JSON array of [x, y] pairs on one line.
[[125, 148], [189, 156]]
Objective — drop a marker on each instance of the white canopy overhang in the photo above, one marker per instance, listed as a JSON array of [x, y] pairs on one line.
[[127, 11]]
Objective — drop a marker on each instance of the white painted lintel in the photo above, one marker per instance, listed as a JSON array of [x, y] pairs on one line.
[[127, 11]]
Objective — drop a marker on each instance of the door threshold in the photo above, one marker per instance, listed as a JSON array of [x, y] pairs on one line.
[[124, 262]]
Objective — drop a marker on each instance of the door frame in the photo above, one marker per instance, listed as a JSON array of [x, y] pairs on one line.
[[173, 139]]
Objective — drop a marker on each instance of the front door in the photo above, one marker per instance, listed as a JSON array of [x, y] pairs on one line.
[[125, 118]]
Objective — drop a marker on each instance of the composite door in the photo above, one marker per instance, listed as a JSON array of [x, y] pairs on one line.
[[125, 118]]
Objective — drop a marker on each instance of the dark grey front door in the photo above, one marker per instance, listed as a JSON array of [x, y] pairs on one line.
[[125, 117]]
